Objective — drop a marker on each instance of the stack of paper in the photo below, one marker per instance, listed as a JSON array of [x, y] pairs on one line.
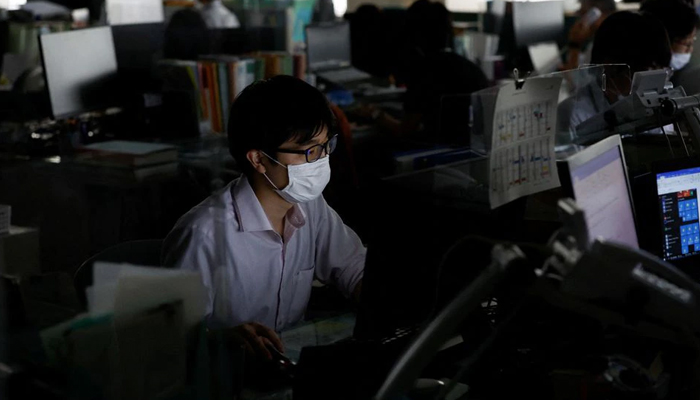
[[132, 343], [129, 160], [125, 290]]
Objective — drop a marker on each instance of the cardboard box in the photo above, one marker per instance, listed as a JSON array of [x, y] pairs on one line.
[[19, 252]]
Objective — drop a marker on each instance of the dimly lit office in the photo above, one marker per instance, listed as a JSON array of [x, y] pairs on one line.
[[349, 199]]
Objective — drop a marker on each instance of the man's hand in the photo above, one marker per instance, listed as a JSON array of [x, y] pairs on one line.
[[256, 338]]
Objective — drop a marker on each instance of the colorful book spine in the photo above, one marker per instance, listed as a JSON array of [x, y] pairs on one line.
[[223, 92], [213, 98], [203, 94]]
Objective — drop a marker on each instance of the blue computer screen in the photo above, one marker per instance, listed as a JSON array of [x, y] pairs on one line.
[[678, 207]]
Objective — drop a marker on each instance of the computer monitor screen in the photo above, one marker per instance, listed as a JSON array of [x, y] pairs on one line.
[[123, 12], [537, 21], [328, 45], [80, 68], [600, 186], [138, 46], [545, 57], [678, 207]]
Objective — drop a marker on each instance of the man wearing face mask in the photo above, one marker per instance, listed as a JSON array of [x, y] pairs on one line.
[[260, 241], [681, 22]]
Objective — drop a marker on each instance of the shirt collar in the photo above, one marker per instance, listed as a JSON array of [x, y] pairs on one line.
[[250, 214]]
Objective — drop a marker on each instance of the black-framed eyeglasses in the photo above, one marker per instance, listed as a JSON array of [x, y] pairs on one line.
[[315, 152], [685, 43]]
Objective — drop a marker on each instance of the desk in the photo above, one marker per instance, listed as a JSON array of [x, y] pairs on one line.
[[80, 212]]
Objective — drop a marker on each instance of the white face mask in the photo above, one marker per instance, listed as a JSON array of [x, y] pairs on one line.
[[679, 60], [306, 181]]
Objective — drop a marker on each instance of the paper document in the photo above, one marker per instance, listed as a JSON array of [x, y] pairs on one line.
[[125, 290], [522, 160]]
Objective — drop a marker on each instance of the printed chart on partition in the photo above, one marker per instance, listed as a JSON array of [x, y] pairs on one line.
[[522, 160]]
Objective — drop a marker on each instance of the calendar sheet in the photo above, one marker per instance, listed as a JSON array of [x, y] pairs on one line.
[[522, 159]]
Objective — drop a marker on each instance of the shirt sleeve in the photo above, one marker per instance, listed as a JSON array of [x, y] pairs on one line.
[[190, 249], [340, 255]]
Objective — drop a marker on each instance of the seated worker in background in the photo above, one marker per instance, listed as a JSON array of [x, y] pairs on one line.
[[591, 15], [681, 22], [260, 241], [636, 40], [369, 46], [217, 15], [438, 72]]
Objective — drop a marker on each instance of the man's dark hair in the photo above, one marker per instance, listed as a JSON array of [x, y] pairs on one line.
[[637, 40], [678, 17], [186, 37], [268, 113]]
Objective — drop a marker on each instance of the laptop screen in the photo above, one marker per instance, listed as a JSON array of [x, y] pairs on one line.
[[599, 180], [678, 207], [328, 45]]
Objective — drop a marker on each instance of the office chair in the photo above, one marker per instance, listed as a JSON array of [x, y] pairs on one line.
[[138, 252]]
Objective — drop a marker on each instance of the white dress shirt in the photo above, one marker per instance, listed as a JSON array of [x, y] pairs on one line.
[[217, 16], [254, 275]]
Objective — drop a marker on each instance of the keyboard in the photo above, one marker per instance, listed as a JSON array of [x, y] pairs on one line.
[[344, 75]]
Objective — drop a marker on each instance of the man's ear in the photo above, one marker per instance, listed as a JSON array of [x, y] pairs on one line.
[[255, 158]]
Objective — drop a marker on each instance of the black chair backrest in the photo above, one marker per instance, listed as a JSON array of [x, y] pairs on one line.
[[137, 252]]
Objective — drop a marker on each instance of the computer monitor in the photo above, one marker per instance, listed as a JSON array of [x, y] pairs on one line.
[[232, 41], [545, 57], [537, 21], [328, 45], [677, 193], [80, 68], [597, 178], [127, 12], [137, 46]]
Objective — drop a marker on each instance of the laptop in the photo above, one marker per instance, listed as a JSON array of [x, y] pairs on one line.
[[328, 54], [597, 179]]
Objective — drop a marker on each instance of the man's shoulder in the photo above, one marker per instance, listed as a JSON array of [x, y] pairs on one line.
[[214, 211], [316, 211]]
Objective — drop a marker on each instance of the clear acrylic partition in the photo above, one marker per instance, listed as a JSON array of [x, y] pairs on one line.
[[586, 94]]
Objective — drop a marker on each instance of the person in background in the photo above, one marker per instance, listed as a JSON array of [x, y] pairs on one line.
[[369, 44], [591, 15], [681, 22], [324, 11], [217, 15], [626, 39], [436, 72], [260, 242]]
